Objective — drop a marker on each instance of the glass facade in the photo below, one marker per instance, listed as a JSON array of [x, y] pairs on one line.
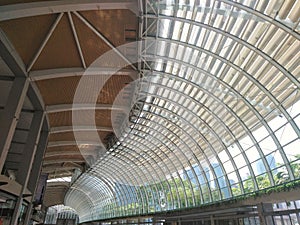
[[216, 114]]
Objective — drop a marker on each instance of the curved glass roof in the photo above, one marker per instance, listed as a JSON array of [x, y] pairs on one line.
[[217, 113]]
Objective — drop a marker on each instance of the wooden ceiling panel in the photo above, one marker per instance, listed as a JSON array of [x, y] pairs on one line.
[[116, 30], [74, 150], [58, 90], [27, 34], [80, 136], [112, 88], [62, 90], [92, 46], [68, 148], [101, 117], [61, 50]]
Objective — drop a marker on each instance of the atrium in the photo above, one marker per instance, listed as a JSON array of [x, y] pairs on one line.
[[158, 112]]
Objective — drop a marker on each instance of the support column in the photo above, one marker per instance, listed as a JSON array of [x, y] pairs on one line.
[[28, 213], [212, 220], [261, 209], [11, 114], [38, 160], [28, 157], [36, 168]]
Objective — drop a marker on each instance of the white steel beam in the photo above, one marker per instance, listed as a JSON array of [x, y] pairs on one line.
[[68, 143], [70, 166], [14, 11], [84, 106], [71, 72], [76, 40], [37, 54], [63, 129], [70, 153], [62, 160], [106, 41]]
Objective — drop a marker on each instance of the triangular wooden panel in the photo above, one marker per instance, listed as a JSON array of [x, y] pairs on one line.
[[27, 34], [61, 50], [113, 24], [92, 46]]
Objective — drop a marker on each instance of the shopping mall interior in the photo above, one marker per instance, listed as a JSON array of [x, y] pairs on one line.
[[157, 112]]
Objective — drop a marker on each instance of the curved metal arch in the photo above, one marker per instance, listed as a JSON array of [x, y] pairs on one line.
[[282, 109], [171, 152], [128, 151], [85, 183], [160, 141], [225, 148], [254, 141], [105, 191], [174, 182], [97, 185], [255, 81], [188, 135], [121, 177], [108, 184], [271, 133], [207, 109], [264, 17], [151, 165], [241, 123], [214, 55], [82, 194], [90, 185], [115, 175], [259, 14], [163, 153], [199, 164], [92, 171], [107, 171], [145, 144], [171, 162], [196, 159], [232, 37], [258, 84], [191, 138]]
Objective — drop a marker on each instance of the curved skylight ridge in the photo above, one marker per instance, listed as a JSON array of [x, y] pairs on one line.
[[218, 115]]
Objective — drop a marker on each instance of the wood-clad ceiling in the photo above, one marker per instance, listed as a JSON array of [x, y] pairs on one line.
[[72, 41]]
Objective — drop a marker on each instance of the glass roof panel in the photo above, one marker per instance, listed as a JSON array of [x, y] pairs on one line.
[[218, 105]]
